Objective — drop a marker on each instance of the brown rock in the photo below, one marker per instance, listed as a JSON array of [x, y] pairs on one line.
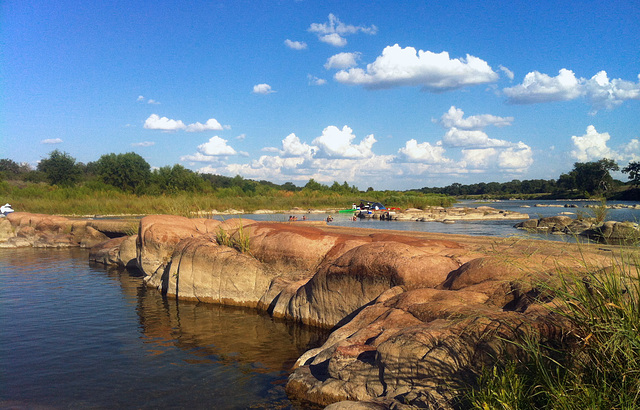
[[158, 237], [360, 275], [202, 270], [107, 252], [92, 237]]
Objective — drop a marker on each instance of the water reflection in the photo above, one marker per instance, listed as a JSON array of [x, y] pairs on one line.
[[74, 335], [221, 333]]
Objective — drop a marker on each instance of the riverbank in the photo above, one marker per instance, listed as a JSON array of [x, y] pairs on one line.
[[410, 311]]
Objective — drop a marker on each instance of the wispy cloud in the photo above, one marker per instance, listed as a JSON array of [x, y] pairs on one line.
[[149, 101], [143, 144], [51, 141], [333, 31], [295, 45], [313, 80]]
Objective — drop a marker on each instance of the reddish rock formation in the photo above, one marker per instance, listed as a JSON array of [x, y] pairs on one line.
[[202, 270], [413, 314], [158, 236]]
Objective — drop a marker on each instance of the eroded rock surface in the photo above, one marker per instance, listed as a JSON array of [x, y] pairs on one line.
[[414, 315]]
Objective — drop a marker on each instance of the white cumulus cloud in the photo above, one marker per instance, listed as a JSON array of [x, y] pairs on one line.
[[592, 146], [51, 141], [199, 157], [435, 72], [211, 125], [342, 61], [538, 87], [293, 147], [455, 118], [334, 39], [471, 138], [516, 159], [262, 89], [337, 143], [423, 153], [295, 45], [479, 157], [632, 150], [608, 94], [599, 90], [155, 122], [216, 146]]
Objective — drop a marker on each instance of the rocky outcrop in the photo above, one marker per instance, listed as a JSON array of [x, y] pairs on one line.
[[23, 229], [607, 232], [202, 270], [118, 251], [441, 214], [413, 315], [159, 235], [360, 275], [415, 347]]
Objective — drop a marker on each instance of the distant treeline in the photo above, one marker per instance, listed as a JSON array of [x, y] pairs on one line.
[[585, 180], [126, 184], [130, 173]]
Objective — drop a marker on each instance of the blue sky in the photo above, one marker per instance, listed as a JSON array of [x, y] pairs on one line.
[[393, 95]]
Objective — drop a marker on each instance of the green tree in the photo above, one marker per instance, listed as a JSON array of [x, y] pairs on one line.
[[594, 177], [289, 186], [125, 171], [312, 185], [633, 169], [60, 168], [176, 179], [9, 166]]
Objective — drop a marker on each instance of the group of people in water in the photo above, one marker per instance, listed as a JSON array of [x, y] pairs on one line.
[[293, 218]]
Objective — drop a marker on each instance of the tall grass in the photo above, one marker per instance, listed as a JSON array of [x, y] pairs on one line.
[[105, 200], [597, 365]]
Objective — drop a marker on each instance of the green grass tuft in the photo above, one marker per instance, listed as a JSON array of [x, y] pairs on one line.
[[595, 366]]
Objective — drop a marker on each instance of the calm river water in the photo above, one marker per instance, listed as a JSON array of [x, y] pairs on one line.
[[485, 228], [75, 335]]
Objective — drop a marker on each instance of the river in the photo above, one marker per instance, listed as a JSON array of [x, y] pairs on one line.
[[484, 228], [79, 335]]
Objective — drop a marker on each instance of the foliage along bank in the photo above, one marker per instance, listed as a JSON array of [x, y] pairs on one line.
[[126, 184]]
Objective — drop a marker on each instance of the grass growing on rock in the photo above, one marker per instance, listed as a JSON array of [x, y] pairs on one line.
[[596, 365]]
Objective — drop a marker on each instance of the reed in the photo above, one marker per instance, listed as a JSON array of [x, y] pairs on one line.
[[597, 365]]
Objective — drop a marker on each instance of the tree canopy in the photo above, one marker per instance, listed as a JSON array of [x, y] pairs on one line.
[[125, 171], [60, 168], [633, 169]]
